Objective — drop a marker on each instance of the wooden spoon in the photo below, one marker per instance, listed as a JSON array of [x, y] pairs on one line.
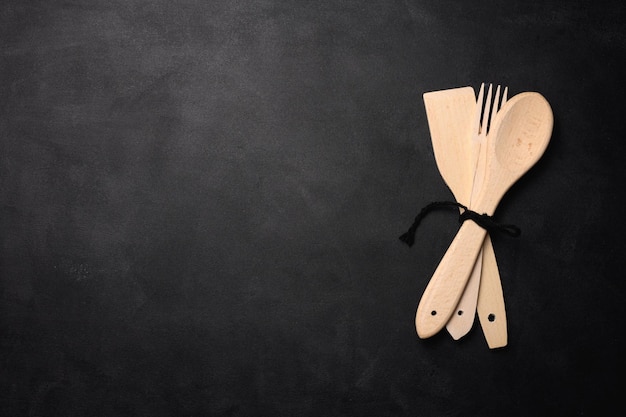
[[521, 134]]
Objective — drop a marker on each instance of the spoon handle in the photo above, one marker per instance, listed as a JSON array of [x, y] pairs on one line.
[[443, 292]]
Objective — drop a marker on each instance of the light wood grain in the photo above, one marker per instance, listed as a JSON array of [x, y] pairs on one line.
[[491, 311], [450, 115], [521, 135], [462, 320], [451, 120]]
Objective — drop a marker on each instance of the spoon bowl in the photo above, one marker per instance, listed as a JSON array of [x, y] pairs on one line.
[[524, 135], [521, 136]]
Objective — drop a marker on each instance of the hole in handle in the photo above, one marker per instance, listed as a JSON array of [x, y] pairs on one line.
[[491, 317]]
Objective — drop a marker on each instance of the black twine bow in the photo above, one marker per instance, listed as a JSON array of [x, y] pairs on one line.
[[483, 220]]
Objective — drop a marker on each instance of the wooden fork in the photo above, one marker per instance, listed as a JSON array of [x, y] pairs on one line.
[[483, 292]]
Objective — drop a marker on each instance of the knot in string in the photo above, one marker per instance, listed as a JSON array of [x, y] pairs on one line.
[[483, 220]]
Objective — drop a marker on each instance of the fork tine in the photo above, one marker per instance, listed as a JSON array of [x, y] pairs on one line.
[[483, 125], [494, 109], [504, 96], [479, 109]]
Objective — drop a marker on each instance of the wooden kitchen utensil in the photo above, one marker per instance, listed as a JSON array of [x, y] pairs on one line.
[[521, 133], [461, 321], [452, 119], [450, 116]]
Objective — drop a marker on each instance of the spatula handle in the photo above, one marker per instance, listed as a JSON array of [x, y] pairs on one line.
[[443, 292]]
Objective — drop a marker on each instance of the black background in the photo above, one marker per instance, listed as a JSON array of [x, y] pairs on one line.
[[200, 205]]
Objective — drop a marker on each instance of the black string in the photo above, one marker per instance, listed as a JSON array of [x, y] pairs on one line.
[[483, 220]]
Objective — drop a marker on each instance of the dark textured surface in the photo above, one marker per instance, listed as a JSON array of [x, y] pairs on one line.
[[200, 204]]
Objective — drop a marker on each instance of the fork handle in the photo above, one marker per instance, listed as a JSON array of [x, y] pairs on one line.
[[491, 309], [462, 320], [443, 292]]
